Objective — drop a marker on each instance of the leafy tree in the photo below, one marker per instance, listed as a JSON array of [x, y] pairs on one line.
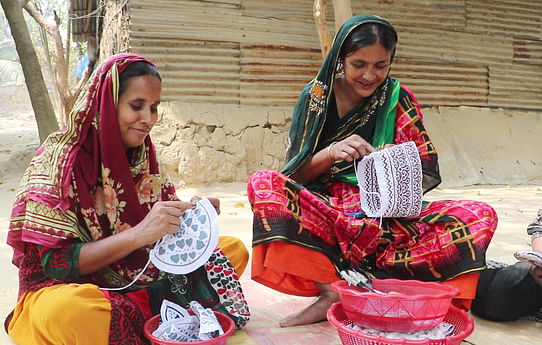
[[57, 58], [55, 51]]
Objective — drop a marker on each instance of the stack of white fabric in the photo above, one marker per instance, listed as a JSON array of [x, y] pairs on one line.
[[441, 331]]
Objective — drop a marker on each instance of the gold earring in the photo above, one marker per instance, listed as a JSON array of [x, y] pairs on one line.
[[340, 68]]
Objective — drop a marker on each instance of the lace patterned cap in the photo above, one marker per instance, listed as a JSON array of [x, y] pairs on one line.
[[390, 182]]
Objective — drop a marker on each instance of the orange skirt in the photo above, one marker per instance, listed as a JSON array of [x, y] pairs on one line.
[[272, 266]]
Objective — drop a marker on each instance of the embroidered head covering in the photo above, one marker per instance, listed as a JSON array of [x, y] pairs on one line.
[[311, 109], [82, 185], [390, 182]]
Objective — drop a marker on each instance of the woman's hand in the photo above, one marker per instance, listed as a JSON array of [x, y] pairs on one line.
[[216, 204], [162, 219], [353, 147], [214, 201]]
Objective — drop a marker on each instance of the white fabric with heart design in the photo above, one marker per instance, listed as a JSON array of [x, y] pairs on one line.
[[192, 245], [177, 324]]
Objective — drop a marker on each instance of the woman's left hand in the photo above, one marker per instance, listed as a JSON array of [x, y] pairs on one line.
[[214, 201]]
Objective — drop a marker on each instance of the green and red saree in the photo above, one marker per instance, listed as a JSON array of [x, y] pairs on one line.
[[305, 233]]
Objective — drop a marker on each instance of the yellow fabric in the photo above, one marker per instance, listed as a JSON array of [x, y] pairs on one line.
[[62, 315], [236, 252], [80, 314]]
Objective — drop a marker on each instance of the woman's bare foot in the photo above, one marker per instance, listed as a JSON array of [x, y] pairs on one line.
[[315, 312], [537, 271]]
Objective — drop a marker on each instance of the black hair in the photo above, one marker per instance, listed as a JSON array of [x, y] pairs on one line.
[[136, 69], [368, 34]]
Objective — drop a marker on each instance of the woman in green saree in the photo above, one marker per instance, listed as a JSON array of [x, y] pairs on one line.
[[308, 221]]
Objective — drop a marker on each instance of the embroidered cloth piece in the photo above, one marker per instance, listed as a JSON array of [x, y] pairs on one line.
[[178, 325], [535, 258], [192, 245], [390, 182], [441, 331]]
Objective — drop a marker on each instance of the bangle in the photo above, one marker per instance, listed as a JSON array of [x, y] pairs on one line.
[[329, 152]]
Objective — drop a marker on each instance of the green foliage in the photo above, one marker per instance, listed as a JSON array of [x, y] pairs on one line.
[[7, 50], [11, 71], [7, 47]]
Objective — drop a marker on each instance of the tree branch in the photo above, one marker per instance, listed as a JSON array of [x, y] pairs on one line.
[[67, 96], [39, 18], [343, 12], [319, 14], [61, 68]]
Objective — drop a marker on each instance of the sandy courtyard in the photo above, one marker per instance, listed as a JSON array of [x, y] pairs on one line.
[[516, 205]]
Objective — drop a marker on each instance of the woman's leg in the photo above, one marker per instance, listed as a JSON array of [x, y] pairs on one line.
[[315, 312], [62, 314], [506, 294], [235, 251], [448, 238]]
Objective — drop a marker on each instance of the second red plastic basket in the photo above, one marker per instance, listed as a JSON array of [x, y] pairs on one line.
[[409, 305], [463, 327]]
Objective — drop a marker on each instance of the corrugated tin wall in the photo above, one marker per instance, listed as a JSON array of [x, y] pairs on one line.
[[84, 18], [254, 52]]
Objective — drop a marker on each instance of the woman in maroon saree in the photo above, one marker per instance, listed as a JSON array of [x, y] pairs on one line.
[[91, 205]]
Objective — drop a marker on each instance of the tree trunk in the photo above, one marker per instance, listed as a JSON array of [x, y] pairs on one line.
[[343, 12], [41, 103], [319, 14], [61, 66]]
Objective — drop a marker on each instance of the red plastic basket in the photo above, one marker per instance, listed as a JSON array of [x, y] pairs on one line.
[[228, 326], [464, 326], [413, 306]]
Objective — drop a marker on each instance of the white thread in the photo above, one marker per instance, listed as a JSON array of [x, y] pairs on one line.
[[367, 192], [138, 275], [201, 203]]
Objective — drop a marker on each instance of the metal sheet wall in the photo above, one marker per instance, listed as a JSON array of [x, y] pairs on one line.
[[83, 14], [262, 52]]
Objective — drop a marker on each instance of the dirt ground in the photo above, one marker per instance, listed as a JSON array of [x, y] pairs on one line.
[[516, 205]]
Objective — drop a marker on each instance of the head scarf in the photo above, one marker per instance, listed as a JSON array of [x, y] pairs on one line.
[[82, 185], [311, 109]]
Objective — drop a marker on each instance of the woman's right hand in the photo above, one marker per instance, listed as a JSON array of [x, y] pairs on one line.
[[353, 147], [162, 219]]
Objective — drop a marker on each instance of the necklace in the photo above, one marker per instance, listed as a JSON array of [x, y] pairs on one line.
[[378, 99]]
